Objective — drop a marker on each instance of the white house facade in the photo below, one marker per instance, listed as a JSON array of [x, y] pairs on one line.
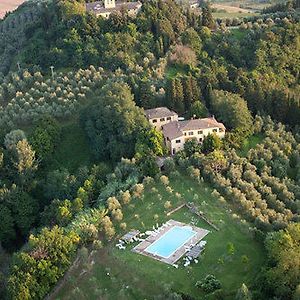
[[160, 116], [176, 133]]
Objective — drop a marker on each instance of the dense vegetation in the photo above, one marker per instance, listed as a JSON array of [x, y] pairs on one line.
[[73, 84]]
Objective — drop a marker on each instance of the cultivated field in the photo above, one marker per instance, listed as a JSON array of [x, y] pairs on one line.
[[9, 5], [231, 9]]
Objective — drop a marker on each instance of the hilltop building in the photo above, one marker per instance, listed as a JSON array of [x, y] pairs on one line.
[[176, 132], [160, 116], [105, 7]]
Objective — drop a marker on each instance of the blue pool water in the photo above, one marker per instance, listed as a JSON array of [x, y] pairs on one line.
[[173, 239]]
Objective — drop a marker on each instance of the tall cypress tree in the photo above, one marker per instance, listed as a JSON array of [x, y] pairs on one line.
[[188, 92], [178, 96], [207, 17]]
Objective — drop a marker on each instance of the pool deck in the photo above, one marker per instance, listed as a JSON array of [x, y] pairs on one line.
[[141, 248]]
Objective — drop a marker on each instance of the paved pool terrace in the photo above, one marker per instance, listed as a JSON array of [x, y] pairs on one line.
[[169, 245]]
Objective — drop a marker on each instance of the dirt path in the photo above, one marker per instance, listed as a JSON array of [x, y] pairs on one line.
[[8, 5]]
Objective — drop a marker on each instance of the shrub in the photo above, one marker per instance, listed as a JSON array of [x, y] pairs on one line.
[[117, 214], [138, 190], [12, 138], [113, 203], [164, 180], [209, 284], [169, 165], [167, 205], [123, 226], [125, 197]]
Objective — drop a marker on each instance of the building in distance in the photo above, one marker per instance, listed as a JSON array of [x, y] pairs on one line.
[[106, 7]]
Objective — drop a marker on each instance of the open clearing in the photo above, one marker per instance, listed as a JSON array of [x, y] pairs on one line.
[[9, 5], [111, 273]]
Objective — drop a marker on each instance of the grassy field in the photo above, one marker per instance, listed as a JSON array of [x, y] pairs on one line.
[[173, 71], [230, 15], [74, 150], [250, 143], [110, 273]]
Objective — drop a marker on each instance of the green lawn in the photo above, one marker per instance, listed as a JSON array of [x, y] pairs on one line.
[[111, 273], [173, 71], [73, 150], [238, 34], [250, 143]]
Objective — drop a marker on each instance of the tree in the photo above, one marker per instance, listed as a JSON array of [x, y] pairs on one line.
[[146, 99], [60, 184], [198, 110], [45, 137], [283, 248], [174, 95], [114, 123], [210, 143], [117, 215], [243, 293], [183, 56], [25, 161], [191, 146], [191, 38], [125, 197], [207, 17], [150, 142], [12, 138], [209, 284], [7, 231], [232, 110], [37, 269], [191, 91], [113, 203]]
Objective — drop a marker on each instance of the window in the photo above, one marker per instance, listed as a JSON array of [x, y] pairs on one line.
[[154, 121], [168, 118], [200, 139], [185, 133], [177, 141], [191, 133], [215, 130], [174, 151], [200, 132], [162, 119]]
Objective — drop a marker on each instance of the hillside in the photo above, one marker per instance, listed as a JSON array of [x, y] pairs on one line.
[[150, 153]]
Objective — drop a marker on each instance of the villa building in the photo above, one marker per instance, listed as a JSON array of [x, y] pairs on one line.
[[178, 132], [160, 116], [105, 7]]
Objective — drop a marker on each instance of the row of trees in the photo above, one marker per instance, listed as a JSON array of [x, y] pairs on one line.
[[254, 189], [26, 97]]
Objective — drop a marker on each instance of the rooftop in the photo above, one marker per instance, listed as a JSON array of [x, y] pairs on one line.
[[175, 129], [159, 112]]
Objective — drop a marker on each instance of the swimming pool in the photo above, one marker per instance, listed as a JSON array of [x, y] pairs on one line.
[[172, 240]]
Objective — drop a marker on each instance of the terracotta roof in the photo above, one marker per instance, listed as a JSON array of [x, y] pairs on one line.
[[159, 112], [175, 129], [98, 7], [172, 130]]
